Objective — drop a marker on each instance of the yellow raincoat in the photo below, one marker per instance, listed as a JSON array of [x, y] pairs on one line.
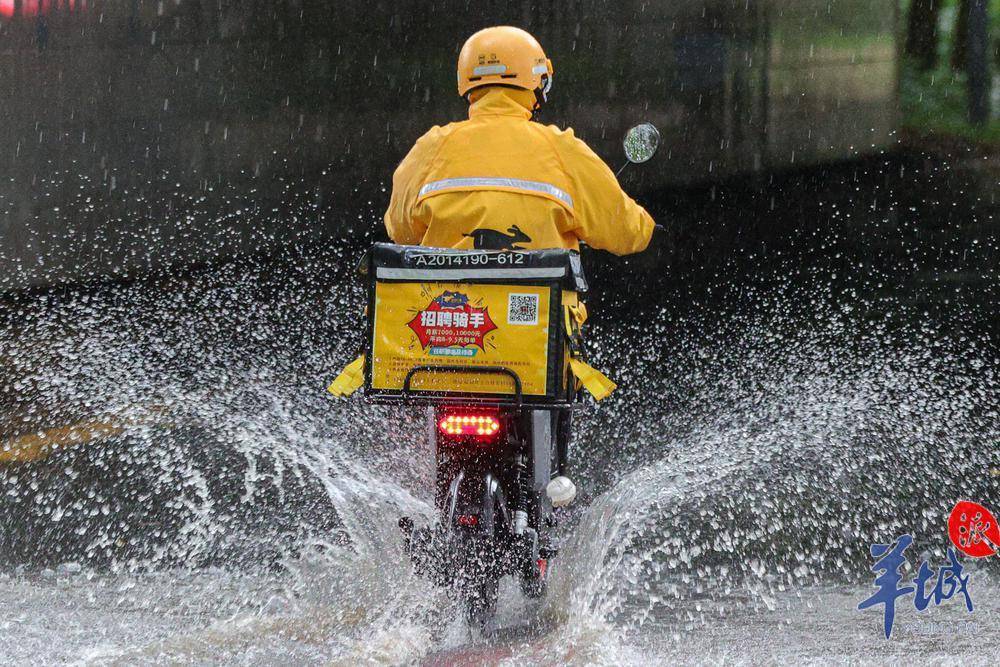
[[501, 182]]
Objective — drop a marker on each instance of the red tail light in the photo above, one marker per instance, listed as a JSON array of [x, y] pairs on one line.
[[479, 425]]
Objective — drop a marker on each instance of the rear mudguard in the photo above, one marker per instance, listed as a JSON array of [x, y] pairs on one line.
[[481, 496]]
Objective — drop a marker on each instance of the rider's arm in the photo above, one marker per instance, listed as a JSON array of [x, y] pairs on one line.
[[406, 184], [606, 217]]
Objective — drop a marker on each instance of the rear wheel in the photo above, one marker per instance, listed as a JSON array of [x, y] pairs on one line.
[[480, 600], [479, 580]]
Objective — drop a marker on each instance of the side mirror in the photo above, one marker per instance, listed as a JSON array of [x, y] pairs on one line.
[[641, 143]]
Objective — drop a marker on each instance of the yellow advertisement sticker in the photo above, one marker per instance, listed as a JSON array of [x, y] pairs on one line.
[[461, 325]]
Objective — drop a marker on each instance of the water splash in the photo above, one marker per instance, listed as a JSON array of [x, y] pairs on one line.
[[754, 452], [793, 446]]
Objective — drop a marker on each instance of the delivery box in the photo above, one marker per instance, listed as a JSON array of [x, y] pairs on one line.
[[468, 323]]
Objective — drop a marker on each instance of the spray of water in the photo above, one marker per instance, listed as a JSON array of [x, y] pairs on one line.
[[750, 453]]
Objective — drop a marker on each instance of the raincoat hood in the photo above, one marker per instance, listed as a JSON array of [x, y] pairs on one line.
[[500, 101]]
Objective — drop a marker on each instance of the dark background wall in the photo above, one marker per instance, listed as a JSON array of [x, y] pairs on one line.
[[136, 134]]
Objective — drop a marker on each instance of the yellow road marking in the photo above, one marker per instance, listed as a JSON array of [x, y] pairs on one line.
[[37, 446]]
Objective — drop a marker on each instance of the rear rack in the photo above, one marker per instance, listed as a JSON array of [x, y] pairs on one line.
[[410, 397], [451, 399], [486, 370]]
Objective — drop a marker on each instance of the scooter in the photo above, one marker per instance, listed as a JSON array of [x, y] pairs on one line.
[[494, 500], [501, 476], [500, 446]]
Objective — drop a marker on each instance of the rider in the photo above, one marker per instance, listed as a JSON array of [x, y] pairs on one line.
[[499, 181]]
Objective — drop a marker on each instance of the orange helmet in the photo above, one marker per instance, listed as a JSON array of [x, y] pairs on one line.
[[504, 56]]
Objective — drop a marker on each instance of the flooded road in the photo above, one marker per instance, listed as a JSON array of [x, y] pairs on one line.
[[62, 616], [189, 494]]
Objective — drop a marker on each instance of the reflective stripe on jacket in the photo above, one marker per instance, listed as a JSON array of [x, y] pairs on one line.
[[500, 181]]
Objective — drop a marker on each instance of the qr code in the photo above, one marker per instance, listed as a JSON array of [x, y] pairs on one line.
[[522, 309]]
